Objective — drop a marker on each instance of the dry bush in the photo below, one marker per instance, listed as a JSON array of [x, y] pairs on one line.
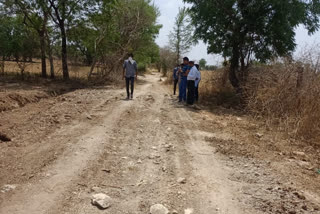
[[168, 78], [215, 88], [286, 94]]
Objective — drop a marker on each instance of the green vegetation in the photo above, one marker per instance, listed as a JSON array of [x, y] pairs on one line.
[[181, 38], [202, 63], [246, 30], [82, 32], [17, 42]]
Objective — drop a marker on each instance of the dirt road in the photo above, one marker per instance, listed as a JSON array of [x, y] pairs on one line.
[[151, 150]]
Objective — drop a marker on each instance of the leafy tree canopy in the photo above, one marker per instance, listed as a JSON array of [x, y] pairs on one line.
[[181, 37], [249, 29], [202, 63]]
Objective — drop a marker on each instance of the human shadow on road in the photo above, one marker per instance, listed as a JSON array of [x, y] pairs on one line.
[[205, 106]]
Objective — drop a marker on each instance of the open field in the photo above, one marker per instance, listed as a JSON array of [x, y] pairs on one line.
[[76, 72]]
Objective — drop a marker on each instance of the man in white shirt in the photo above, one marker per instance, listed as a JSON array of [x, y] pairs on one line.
[[198, 79], [192, 76]]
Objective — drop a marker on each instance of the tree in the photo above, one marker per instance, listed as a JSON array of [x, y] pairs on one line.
[[36, 15], [127, 26], [181, 38], [243, 30], [202, 63], [17, 42], [85, 31], [167, 60], [64, 13]]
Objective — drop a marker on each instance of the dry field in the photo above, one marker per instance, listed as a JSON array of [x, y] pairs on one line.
[[76, 72]]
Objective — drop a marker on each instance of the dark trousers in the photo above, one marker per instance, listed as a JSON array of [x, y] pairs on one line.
[[175, 82], [196, 93], [183, 89], [191, 92], [128, 81]]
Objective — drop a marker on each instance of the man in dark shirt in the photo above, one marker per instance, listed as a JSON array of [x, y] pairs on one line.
[[130, 72]]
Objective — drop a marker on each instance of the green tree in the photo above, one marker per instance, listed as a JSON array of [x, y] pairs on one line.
[[242, 30], [65, 14], [36, 15], [123, 27], [181, 37], [17, 42], [167, 60], [202, 63]]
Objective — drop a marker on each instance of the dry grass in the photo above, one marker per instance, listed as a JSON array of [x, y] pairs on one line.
[[215, 88], [286, 95], [76, 72]]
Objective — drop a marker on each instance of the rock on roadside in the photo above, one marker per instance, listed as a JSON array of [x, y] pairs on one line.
[[8, 188], [182, 180], [158, 209], [101, 200]]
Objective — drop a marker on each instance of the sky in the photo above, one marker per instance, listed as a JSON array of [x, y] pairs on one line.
[[169, 10]]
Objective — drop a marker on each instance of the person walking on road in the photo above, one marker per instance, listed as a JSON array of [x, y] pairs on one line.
[[183, 80], [175, 78], [192, 76], [130, 73]]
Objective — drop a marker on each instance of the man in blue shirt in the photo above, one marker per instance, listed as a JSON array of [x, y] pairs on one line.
[[175, 78], [183, 80]]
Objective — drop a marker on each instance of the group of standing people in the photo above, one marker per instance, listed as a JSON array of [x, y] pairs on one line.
[[188, 76]]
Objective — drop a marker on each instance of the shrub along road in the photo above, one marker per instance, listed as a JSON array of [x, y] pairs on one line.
[[151, 150]]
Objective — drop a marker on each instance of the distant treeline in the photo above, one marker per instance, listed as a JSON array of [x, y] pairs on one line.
[[87, 32]]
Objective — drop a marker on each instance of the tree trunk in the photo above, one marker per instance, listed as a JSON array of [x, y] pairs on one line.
[[242, 75], [92, 67], [2, 65], [64, 51], [21, 66], [234, 66], [43, 54], [50, 56], [178, 57]]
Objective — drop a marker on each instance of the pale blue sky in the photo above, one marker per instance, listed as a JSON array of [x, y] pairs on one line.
[[169, 10]]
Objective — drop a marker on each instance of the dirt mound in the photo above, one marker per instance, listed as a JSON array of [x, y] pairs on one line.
[[12, 100]]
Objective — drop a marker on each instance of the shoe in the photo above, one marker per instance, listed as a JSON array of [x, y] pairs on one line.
[[131, 96]]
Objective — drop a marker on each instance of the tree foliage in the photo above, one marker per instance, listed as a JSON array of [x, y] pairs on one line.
[[181, 37], [242, 30], [167, 60], [202, 63], [17, 42], [85, 31]]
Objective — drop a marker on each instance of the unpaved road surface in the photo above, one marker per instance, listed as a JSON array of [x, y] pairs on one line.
[[151, 150]]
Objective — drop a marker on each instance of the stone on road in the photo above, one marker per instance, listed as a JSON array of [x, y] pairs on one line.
[[158, 209], [101, 200]]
